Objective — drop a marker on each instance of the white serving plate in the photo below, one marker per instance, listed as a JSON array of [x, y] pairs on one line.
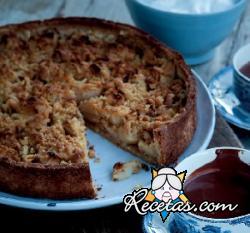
[[113, 192]]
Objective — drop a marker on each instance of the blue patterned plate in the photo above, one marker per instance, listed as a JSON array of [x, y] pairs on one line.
[[176, 223], [229, 106]]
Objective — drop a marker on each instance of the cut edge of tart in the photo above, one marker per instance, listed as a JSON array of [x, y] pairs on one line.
[[129, 88], [43, 148]]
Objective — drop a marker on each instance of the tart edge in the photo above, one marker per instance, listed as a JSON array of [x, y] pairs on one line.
[[38, 180]]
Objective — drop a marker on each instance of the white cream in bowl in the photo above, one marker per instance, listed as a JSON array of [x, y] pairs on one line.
[[189, 6]]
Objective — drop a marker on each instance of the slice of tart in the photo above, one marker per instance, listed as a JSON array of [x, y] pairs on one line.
[[122, 82], [43, 149]]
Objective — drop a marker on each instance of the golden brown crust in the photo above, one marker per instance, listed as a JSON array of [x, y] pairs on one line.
[[39, 180], [173, 136]]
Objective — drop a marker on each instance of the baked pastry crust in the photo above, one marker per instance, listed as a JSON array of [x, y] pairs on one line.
[[39, 180], [169, 137]]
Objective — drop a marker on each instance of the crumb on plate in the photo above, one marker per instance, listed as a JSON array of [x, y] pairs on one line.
[[91, 153], [123, 171]]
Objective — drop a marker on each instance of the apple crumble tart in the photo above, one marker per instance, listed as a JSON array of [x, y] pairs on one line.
[[58, 75]]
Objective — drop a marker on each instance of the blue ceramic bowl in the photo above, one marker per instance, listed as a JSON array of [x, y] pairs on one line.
[[193, 35]]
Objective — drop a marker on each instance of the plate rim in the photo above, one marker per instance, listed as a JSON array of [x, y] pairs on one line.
[[229, 118], [85, 204]]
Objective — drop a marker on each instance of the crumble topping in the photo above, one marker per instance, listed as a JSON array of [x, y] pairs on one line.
[[41, 125], [123, 87]]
